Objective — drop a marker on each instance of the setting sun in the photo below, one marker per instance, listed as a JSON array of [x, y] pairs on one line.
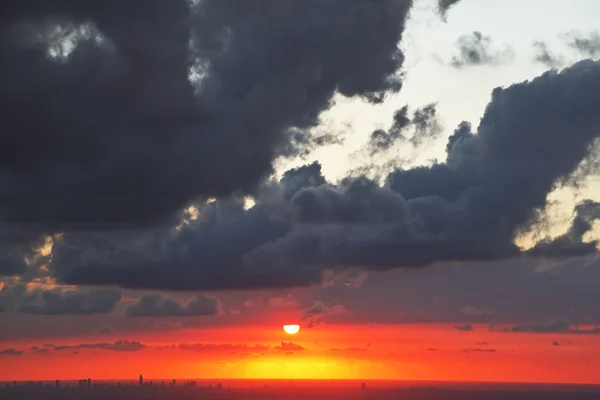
[[291, 329]]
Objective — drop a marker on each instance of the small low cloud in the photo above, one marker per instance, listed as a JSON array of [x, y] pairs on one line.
[[40, 350], [159, 305], [289, 346], [557, 325], [11, 352], [544, 55], [423, 126], [463, 328], [119, 345], [587, 45], [478, 350], [476, 49]]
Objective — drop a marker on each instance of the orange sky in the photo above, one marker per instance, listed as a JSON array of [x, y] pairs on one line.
[[429, 352]]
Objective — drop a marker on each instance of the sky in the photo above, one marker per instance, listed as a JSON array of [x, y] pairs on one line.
[[415, 184]]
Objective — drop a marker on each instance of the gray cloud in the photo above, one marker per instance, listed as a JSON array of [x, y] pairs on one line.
[[119, 345], [556, 325], [545, 56], [475, 49], [424, 123], [158, 305], [478, 350], [11, 352], [128, 138], [40, 350], [444, 6], [266, 74], [493, 185], [588, 46]]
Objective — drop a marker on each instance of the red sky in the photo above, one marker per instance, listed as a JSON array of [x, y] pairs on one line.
[[327, 351]]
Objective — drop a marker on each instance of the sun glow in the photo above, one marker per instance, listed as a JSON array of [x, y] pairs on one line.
[[291, 329]]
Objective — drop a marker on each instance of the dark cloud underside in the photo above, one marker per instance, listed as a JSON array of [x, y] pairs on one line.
[[102, 127], [492, 186]]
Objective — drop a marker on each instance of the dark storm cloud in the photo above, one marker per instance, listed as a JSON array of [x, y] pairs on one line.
[[588, 46], [208, 251], [476, 49], [493, 185], [471, 207], [158, 305], [354, 201], [424, 124], [119, 345], [103, 129], [545, 56], [58, 301]]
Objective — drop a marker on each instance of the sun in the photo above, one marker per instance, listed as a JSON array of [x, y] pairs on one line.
[[291, 329]]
